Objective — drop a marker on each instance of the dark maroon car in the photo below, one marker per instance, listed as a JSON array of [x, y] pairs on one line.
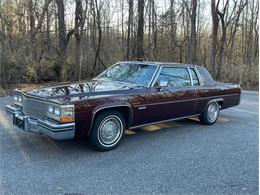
[[127, 95]]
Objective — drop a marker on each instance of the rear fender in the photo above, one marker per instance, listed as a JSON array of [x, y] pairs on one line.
[[220, 101]]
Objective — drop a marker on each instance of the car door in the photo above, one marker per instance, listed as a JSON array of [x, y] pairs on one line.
[[177, 99]]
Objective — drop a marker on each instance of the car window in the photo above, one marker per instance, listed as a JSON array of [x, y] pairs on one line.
[[131, 73], [194, 77], [175, 76], [205, 75]]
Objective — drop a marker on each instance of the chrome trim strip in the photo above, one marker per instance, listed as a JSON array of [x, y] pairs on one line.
[[56, 126], [35, 99], [57, 130], [176, 101], [12, 109], [105, 107], [191, 80], [163, 121], [154, 75], [226, 95], [199, 76], [169, 102], [54, 130], [54, 116], [46, 111], [170, 66], [130, 62], [112, 106]]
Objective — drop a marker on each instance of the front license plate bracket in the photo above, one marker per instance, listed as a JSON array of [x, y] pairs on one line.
[[18, 121]]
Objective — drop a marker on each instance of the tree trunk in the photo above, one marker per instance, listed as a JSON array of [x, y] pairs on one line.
[[173, 30], [130, 24], [140, 31], [77, 34], [249, 40], [97, 22], [32, 42], [122, 26], [214, 37], [193, 40], [149, 26], [80, 17], [48, 17], [234, 31], [154, 30], [222, 49], [62, 38]]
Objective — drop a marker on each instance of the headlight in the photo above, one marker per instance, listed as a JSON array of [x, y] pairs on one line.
[[15, 98], [50, 109], [18, 99], [61, 113], [57, 111]]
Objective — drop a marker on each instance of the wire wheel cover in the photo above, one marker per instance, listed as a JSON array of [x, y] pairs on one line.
[[110, 130]]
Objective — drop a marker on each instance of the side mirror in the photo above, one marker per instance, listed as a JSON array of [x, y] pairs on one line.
[[160, 84], [163, 83]]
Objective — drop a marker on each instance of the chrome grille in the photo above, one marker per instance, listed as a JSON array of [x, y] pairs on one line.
[[33, 107]]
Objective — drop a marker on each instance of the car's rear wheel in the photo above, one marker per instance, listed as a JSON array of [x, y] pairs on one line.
[[210, 114], [107, 131]]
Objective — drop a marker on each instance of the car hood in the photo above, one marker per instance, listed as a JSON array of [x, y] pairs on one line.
[[82, 89]]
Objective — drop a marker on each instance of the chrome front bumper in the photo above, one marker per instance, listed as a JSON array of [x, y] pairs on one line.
[[54, 130]]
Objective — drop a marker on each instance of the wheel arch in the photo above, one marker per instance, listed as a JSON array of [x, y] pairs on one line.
[[220, 101], [124, 108]]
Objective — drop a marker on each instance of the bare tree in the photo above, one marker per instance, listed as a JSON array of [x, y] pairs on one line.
[[36, 42], [234, 28], [80, 17], [35, 29], [96, 13], [250, 33], [173, 28], [140, 31], [129, 28], [224, 24], [214, 36], [192, 47], [64, 38], [154, 30]]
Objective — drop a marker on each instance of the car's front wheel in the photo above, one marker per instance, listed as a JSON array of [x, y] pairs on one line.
[[210, 114], [107, 130]]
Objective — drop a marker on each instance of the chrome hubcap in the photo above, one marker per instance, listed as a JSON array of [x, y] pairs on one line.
[[110, 130], [212, 112]]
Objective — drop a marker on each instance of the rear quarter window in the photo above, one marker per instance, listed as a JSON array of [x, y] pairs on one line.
[[205, 75]]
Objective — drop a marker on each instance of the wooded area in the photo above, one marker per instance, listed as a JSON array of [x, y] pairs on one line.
[[70, 40]]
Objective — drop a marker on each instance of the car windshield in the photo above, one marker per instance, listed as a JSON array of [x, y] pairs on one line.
[[140, 74]]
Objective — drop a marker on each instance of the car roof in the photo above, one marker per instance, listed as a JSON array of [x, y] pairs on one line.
[[161, 63]]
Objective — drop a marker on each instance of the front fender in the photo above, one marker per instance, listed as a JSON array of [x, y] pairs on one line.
[[112, 105]]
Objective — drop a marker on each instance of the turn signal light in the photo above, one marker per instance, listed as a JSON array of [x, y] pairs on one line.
[[66, 119]]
